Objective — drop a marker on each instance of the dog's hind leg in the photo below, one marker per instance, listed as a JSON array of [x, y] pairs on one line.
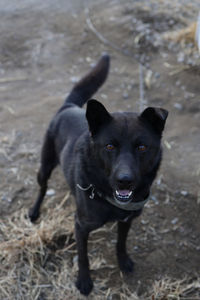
[[125, 263], [48, 163]]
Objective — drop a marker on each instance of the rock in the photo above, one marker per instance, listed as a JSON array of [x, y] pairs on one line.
[[184, 193], [74, 79], [174, 221], [178, 106], [51, 192], [125, 95]]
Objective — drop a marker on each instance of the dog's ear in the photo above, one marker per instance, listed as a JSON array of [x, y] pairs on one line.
[[156, 117], [97, 116]]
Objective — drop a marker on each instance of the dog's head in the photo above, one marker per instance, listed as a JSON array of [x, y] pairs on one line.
[[128, 148]]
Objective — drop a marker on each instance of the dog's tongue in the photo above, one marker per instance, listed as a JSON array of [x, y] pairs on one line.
[[124, 193]]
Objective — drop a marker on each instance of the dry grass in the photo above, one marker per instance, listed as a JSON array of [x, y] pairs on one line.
[[29, 269], [167, 289], [40, 262], [185, 35]]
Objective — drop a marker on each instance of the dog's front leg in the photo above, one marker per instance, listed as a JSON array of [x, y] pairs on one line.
[[125, 263], [84, 282]]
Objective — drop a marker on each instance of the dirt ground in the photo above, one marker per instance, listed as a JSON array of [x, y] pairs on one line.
[[45, 48]]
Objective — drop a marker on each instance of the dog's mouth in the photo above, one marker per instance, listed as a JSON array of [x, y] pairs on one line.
[[123, 196]]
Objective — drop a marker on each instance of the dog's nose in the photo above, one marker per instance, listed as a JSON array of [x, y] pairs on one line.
[[124, 179]]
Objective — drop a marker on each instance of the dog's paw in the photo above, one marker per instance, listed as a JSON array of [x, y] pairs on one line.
[[84, 285], [33, 214], [126, 264]]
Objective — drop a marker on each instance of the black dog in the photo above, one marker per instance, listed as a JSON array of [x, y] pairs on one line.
[[109, 161]]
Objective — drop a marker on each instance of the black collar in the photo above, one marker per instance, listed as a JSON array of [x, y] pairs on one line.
[[132, 206]]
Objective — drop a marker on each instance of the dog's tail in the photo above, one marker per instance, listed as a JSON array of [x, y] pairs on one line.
[[89, 84]]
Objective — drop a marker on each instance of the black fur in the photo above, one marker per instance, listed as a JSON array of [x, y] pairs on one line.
[[118, 154]]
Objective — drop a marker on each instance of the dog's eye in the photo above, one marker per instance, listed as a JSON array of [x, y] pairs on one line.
[[142, 148], [110, 147]]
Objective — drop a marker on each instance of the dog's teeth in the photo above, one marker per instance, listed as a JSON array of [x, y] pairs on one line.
[[120, 195]]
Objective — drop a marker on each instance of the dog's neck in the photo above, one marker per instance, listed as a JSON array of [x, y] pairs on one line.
[[132, 206]]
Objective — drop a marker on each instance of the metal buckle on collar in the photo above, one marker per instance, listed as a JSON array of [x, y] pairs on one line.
[[86, 189]]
